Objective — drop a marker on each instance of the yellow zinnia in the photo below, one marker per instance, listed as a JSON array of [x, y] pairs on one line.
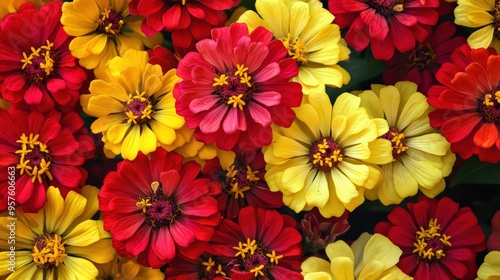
[[490, 269], [422, 156], [121, 268], [328, 157], [59, 242], [103, 29], [306, 29], [482, 14], [133, 102], [371, 257]]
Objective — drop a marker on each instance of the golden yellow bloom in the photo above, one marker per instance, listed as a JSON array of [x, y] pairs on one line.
[[422, 156], [490, 269], [328, 157], [306, 29], [371, 257], [12, 6], [103, 29], [60, 241], [121, 268]]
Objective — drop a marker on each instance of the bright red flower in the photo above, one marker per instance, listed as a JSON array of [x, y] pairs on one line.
[[383, 24], [264, 243], [243, 183], [493, 243], [37, 67], [44, 150], [421, 64], [236, 86], [468, 103], [188, 21], [157, 208], [439, 240], [163, 57]]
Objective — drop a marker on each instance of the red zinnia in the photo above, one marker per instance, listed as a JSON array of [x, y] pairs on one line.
[[493, 243], [236, 86], [421, 64], [263, 243], [243, 183], [206, 267], [439, 240], [468, 103], [45, 150], [163, 57], [37, 67], [157, 208], [383, 24]]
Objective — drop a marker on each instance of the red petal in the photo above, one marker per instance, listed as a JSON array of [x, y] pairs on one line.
[[33, 95], [458, 128], [486, 135]]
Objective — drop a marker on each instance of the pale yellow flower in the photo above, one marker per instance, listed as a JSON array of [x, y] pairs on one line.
[[490, 268], [121, 268]]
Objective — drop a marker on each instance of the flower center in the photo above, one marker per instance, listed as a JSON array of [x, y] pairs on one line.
[[159, 209], [138, 109], [211, 269], [239, 180], [234, 89], [256, 258], [423, 57], [111, 23], [296, 49], [430, 243], [39, 65], [325, 154], [490, 107], [34, 158], [49, 250], [397, 139], [387, 7]]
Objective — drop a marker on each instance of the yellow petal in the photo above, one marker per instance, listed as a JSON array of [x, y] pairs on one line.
[[97, 44], [481, 38], [405, 183], [276, 15], [116, 133], [147, 141], [414, 108], [83, 234], [29, 271], [252, 20], [165, 135], [114, 90], [74, 205], [345, 189], [100, 106], [101, 251], [380, 248], [372, 270], [294, 177], [80, 268], [424, 172], [389, 98], [315, 264], [285, 147], [342, 268], [433, 143], [299, 16], [91, 207], [54, 209], [103, 124], [357, 173], [318, 193], [371, 102], [321, 102], [130, 146]]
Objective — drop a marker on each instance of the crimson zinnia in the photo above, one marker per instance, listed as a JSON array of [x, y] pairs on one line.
[[157, 208], [37, 67], [468, 103], [438, 238], [383, 24], [236, 86]]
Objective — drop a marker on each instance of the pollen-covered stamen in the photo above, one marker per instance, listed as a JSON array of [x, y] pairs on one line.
[[211, 269], [255, 257], [387, 7], [423, 57], [39, 64], [139, 109], [235, 89], [489, 107], [325, 154], [296, 49], [110, 23], [49, 251], [239, 179], [34, 158], [397, 139], [430, 243], [160, 210]]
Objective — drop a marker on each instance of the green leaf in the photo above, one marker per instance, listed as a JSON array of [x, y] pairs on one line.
[[473, 171]]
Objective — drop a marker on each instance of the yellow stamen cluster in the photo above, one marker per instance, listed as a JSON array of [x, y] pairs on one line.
[[488, 99], [423, 236], [43, 52], [221, 80], [236, 189], [398, 8], [246, 250], [398, 144], [28, 146], [209, 264], [109, 29], [237, 101], [144, 203], [296, 49], [146, 113], [53, 251], [318, 157]]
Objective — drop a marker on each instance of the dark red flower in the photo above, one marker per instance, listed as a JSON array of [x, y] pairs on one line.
[[468, 103], [439, 240], [264, 243], [421, 64], [163, 57], [37, 67], [242, 183], [493, 243], [385, 25], [45, 150], [206, 267], [236, 86], [157, 208]]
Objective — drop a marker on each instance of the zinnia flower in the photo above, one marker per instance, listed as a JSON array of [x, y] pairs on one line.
[[385, 25], [236, 86], [493, 242], [134, 105], [58, 242], [421, 64], [44, 152], [123, 268], [439, 240], [263, 243], [369, 257], [37, 67], [311, 39], [484, 16], [327, 158], [242, 183], [422, 156], [490, 268], [103, 29], [467, 103], [155, 208]]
